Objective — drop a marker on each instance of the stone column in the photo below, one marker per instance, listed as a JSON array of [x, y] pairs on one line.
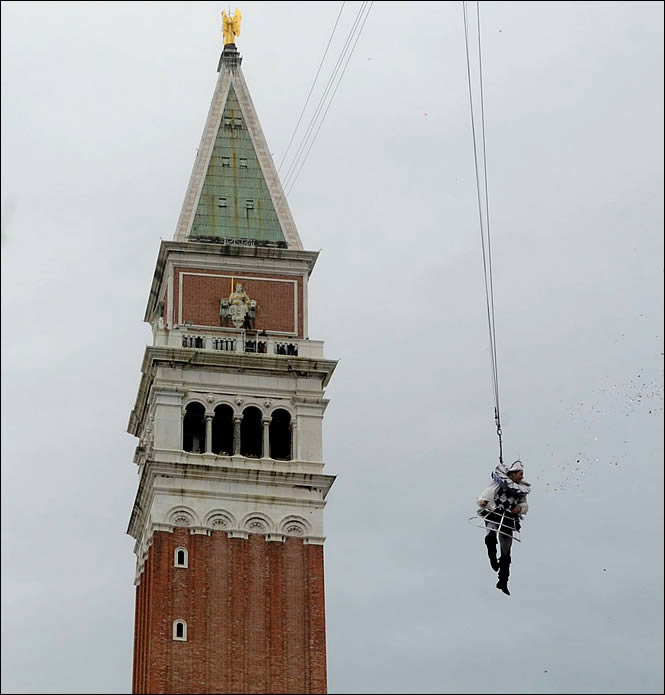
[[266, 437], [209, 434], [294, 442], [236, 435]]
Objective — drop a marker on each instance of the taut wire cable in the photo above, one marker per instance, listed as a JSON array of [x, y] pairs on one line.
[[484, 218]]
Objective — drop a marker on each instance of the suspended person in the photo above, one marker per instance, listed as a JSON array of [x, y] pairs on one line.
[[502, 505]]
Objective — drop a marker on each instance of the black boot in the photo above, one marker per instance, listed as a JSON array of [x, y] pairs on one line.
[[504, 573], [490, 542]]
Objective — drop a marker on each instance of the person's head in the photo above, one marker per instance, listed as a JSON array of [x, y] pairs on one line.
[[516, 471]]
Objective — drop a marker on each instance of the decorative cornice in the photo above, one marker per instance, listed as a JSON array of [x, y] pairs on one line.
[[260, 364], [235, 461], [280, 484]]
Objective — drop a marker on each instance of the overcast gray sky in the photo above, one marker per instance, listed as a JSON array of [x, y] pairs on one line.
[[103, 105]]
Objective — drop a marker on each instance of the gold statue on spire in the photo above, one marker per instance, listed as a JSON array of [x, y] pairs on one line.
[[231, 26]]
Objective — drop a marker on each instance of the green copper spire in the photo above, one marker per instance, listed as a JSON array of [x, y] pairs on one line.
[[235, 202], [234, 195]]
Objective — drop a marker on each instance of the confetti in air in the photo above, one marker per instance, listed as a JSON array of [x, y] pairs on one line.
[[581, 438]]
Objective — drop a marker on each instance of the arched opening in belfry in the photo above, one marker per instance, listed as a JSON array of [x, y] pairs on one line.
[[280, 435], [251, 433], [222, 430], [194, 429]]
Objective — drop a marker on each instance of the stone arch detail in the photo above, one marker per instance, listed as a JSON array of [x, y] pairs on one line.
[[295, 526], [194, 426], [251, 432], [195, 399], [182, 516], [280, 429], [225, 401], [220, 520], [222, 430], [282, 406], [256, 522]]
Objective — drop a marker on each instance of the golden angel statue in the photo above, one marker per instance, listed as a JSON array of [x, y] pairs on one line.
[[231, 26]]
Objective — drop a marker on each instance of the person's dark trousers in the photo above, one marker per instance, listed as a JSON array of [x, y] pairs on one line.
[[501, 524], [505, 542], [490, 542]]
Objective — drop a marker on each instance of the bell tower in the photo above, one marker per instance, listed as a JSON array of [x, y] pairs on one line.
[[228, 515]]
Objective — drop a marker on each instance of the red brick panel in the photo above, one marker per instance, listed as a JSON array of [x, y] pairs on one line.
[[294, 603], [317, 619], [198, 595], [160, 622], [275, 599], [147, 572], [181, 605], [255, 624], [137, 637], [254, 611], [141, 682], [143, 676], [274, 295], [218, 613], [142, 650], [238, 588]]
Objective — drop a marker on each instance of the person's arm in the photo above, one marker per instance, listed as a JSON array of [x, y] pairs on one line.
[[486, 499], [522, 508]]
